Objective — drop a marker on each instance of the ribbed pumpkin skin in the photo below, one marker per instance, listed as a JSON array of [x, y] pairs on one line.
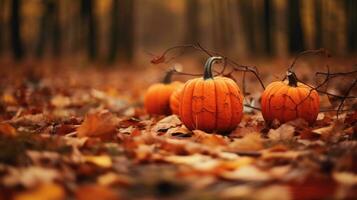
[[157, 98], [285, 103], [175, 100], [212, 105]]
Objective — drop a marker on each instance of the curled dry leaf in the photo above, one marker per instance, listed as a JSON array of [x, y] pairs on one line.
[[167, 123], [284, 132], [98, 124], [331, 132], [209, 139]]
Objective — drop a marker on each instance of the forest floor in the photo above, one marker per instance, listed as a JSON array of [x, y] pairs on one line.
[[83, 133]]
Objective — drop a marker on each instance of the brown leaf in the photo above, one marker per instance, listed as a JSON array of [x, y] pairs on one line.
[[167, 123], [284, 132], [251, 142], [97, 124], [7, 130]]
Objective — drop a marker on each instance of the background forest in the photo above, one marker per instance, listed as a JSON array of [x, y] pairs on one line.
[[108, 31]]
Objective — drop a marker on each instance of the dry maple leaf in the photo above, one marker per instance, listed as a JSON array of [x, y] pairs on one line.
[[97, 124]]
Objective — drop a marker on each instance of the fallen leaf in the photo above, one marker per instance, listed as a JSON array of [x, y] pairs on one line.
[[30, 176], [166, 123], [247, 173], [114, 179], [97, 124], [101, 161], [284, 132], [60, 101], [345, 178], [250, 142], [94, 192], [7, 130], [48, 191]]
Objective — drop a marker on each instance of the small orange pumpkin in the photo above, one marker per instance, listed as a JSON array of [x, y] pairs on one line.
[[211, 104], [157, 97], [175, 100], [286, 101]]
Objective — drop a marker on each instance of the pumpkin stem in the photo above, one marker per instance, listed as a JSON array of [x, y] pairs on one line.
[[168, 77], [292, 79], [208, 67]]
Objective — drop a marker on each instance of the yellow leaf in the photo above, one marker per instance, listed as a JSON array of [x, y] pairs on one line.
[[101, 161], [48, 191]]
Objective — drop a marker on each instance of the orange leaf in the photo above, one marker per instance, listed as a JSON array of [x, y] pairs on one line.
[[97, 124]]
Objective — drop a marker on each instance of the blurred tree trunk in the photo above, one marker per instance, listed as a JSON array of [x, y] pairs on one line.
[[2, 28], [192, 24], [122, 31], [334, 26], [280, 28], [245, 14], [15, 23], [90, 27], [296, 41], [268, 27], [351, 18], [318, 23], [49, 29], [308, 23]]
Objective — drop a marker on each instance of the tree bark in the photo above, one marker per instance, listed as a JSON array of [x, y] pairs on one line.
[[192, 22], [15, 23], [122, 31], [296, 40], [91, 27]]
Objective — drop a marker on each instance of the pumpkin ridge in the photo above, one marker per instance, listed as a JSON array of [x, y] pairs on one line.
[[216, 106], [183, 114], [277, 109], [268, 98], [197, 102], [230, 108], [304, 103], [271, 95], [224, 110], [271, 101], [232, 97], [193, 114]]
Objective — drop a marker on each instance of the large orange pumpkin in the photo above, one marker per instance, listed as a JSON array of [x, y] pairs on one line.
[[175, 100], [211, 104], [286, 101], [157, 97]]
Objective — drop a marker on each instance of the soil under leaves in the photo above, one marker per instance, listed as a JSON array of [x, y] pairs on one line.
[[84, 134]]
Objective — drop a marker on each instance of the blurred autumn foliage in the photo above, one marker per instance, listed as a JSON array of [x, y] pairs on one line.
[[127, 30]]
